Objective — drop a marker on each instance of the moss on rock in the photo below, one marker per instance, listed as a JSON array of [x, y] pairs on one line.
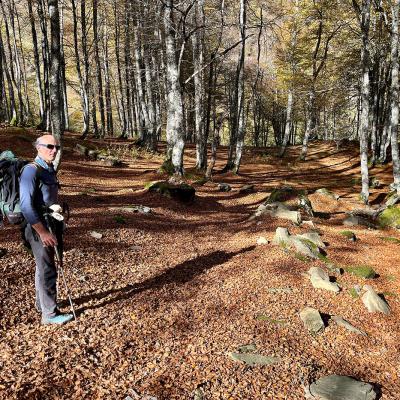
[[390, 217]]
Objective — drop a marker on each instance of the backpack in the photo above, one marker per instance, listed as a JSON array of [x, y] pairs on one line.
[[10, 172]]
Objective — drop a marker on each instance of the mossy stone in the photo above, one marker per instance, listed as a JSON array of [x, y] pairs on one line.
[[282, 194], [390, 217], [362, 271]]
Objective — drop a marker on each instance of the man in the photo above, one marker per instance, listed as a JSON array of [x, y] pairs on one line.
[[39, 189]]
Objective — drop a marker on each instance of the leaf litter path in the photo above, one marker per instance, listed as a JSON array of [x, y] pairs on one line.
[[162, 298]]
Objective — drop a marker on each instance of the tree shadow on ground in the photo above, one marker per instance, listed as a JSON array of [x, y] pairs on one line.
[[179, 274]]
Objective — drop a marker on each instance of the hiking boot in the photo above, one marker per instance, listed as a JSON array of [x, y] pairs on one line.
[[57, 320]]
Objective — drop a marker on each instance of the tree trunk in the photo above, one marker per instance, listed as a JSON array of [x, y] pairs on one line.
[[99, 79], [37, 66], [55, 84], [175, 132], [240, 88], [198, 60], [364, 18], [394, 118]]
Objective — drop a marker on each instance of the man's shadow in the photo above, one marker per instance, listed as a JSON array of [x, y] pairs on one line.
[[179, 274]]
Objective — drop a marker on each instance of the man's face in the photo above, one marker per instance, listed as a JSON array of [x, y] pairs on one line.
[[45, 153]]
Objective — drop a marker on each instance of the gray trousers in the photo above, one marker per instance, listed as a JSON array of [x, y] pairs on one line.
[[45, 273]]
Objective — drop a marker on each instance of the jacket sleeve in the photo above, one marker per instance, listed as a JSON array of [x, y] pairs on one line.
[[27, 188]]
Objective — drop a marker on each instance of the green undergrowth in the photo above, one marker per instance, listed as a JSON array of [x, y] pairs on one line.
[[262, 317], [347, 234], [353, 293], [390, 239], [119, 219]]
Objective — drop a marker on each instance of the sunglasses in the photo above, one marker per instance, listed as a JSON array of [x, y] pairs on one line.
[[50, 146]]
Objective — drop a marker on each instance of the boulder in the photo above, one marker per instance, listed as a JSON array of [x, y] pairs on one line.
[[342, 322], [282, 194], [224, 187], [328, 193], [95, 234], [336, 387], [110, 161], [279, 210], [80, 149], [312, 320], [320, 280], [373, 301], [358, 220], [305, 247], [262, 240], [313, 237], [282, 237], [181, 192], [390, 217]]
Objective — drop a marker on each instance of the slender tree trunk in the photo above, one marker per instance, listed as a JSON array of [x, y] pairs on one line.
[[37, 66], [55, 84], [364, 18], [99, 79], [121, 97], [175, 133], [198, 60], [394, 119], [107, 91], [45, 63], [64, 96], [241, 118]]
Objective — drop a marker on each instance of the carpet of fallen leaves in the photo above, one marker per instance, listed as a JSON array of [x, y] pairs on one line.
[[163, 297]]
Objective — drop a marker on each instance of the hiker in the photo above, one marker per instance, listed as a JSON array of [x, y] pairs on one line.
[[38, 190]]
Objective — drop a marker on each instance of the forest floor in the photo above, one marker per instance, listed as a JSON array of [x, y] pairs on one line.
[[162, 298]]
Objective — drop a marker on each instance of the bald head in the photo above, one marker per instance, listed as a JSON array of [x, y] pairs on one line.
[[47, 147]]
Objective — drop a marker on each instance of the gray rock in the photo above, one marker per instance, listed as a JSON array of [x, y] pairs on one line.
[[224, 187], [336, 387], [262, 240], [328, 193], [320, 280], [313, 237], [358, 220], [305, 247], [279, 210], [282, 236], [95, 234], [247, 348], [342, 322], [132, 209], [253, 359], [312, 320], [93, 154], [373, 302], [83, 150]]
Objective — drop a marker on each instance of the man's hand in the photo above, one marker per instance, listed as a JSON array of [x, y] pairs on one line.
[[46, 237]]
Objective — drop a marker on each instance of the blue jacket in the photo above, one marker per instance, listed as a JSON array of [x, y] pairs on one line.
[[37, 190]]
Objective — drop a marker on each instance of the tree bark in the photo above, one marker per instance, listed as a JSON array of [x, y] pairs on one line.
[[55, 74], [175, 134], [394, 119]]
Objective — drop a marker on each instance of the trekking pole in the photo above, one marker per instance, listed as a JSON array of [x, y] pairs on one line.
[[60, 267]]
